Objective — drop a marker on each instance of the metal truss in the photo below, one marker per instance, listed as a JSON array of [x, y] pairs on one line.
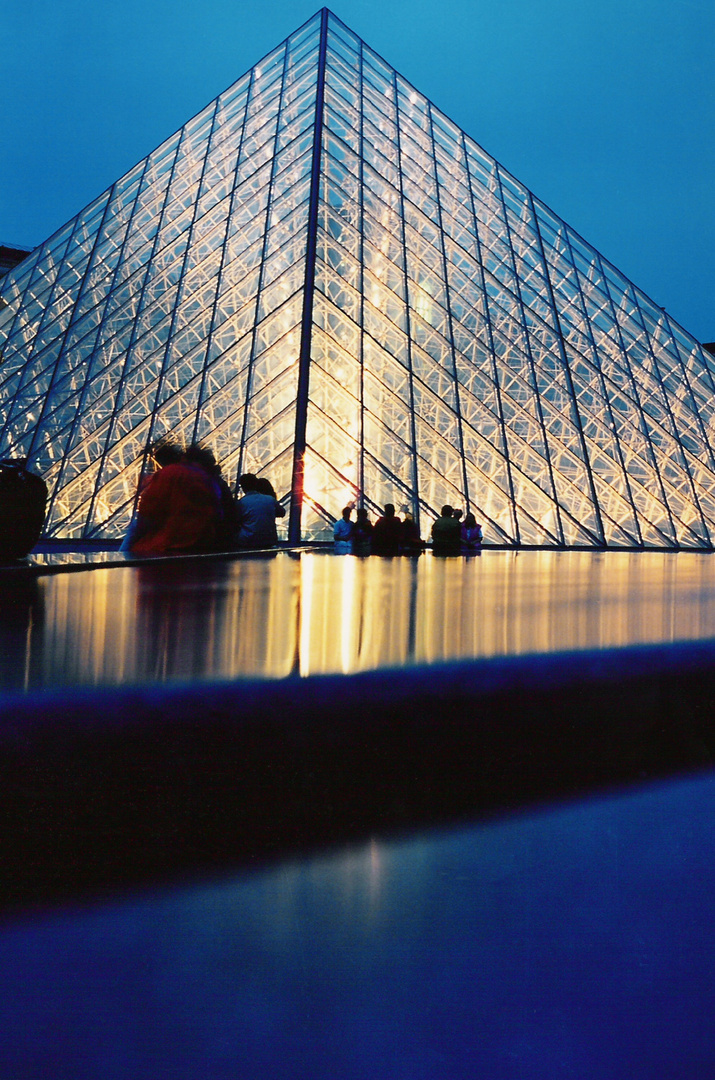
[[328, 282]]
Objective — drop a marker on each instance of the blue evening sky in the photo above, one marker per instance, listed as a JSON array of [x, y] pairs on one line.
[[604, 108]]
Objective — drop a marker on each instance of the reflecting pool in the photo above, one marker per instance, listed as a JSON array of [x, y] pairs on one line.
[[314, 612], [573, 943]]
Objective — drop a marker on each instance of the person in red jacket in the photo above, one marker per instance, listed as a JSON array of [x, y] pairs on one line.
[[162, 453], [180, 510]]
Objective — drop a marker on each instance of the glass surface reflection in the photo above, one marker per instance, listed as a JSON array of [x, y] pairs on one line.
[[462, 954], [313, 612]]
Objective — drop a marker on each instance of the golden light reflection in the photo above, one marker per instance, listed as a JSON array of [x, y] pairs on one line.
[[348, 621], [317, 613], [306, 599]]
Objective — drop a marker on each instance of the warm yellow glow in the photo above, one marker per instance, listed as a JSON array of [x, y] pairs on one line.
[[307, 567], [348, 621], [324, 613], [423, 306]]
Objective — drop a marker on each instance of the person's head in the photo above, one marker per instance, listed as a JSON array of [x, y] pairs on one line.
[[264, 486], [457, 514], [196, 454], [389, 510], [447, 510], [248, 482], [470, 521], [167, 453], [361, 514], [347, 512]]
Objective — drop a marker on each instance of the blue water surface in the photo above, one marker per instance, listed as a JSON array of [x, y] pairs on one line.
[[573, 942]]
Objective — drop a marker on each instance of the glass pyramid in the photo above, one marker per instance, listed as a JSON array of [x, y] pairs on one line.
[[325, 280]]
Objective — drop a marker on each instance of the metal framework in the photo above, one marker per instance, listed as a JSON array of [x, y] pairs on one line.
[[328, 282]]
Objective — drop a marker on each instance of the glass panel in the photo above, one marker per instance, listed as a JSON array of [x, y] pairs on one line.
[[466, 346]]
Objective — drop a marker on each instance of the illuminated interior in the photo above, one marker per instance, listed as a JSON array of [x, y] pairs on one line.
[[463, 344]]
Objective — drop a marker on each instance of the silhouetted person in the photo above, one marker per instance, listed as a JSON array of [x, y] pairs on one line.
[[410, 541], [257, 513], [471, 533], [227, 522], [23, 496], [162, 453], [265, 487], [362, 533], [387, 533], [180, 509], [446, 533], [343, 533]]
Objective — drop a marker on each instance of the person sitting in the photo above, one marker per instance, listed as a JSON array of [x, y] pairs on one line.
[[387, 533], [265, 487], [362, 533], [410, 540], [256, 513], [343, 533], [162, 453], [179, 511], [23, 501], [446, 533], [204, 458], [471, 533]]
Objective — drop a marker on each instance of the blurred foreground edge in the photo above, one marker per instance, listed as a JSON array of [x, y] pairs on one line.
[[110, 789]]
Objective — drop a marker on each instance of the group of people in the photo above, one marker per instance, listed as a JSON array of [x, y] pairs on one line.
[[185, 506], [391, 535], [450, 534]]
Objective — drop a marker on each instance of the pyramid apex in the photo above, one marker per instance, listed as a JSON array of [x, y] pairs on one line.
[[330, 284]]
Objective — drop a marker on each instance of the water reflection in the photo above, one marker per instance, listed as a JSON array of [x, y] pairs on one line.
[[461, 954], [314, 613], [21, 615]]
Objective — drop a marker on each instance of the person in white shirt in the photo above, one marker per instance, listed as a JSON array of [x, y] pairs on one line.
[[343, 533]]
